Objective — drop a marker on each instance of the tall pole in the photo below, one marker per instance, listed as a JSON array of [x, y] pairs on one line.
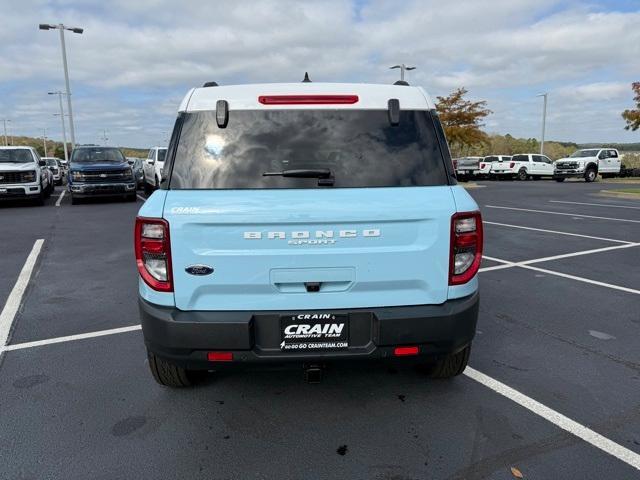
[[44, 140], [64, 130], [544, 120], [5, 133], [66, 81]]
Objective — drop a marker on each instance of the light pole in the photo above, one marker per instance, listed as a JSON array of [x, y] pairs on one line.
[[64, 130], [5, 132], [62, 28], [44, 140], [544, 119], [104, 137], [402, 68]]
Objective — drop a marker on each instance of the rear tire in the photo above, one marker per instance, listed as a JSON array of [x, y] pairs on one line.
[[168, 374], [559, 179], [590, 175], [523, 175], [40, 198], [451, 365]]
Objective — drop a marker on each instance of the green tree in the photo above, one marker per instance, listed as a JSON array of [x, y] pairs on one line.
[[461, 120], [632, 117]]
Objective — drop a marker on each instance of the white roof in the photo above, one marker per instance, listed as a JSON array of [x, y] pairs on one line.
[[245, 97], [21, 147]]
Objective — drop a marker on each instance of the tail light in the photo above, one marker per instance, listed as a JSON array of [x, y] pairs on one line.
[[512, 164], [481, 165], [307, 99], [153, 253], [466, 247]]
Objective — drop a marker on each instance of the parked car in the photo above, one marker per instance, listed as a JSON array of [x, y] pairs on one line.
[[138, 171], [24, 175], [525, 166], [496, 162], [100, 171], [307, 223], [588, 163], [468, 167], [56, 169], [152, 168], [484, 168]]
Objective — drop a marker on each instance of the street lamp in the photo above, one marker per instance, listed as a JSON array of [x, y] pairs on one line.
[[62, 28], [64, 130], [402, 68], [544, 119], [5, 121]]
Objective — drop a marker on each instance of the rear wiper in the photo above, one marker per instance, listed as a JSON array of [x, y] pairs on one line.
[[324, 176]]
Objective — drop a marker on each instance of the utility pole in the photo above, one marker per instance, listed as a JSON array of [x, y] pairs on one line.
[[544, 120], [62, 28], [104, 137], [64, 130], [402, 68], [5, 132], [44, 141]]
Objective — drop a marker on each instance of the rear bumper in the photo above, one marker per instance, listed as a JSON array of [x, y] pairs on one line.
[[184, 338]]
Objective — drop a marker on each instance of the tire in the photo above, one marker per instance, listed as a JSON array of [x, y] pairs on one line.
[[523, 175], [157, 185], [40, 198], [451, 365], [590, 175], [559, 179], [131, 198], [147, 189], [167, 374]]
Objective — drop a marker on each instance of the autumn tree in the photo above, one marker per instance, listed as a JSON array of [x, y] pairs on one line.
[[462, 119], [632, 117]]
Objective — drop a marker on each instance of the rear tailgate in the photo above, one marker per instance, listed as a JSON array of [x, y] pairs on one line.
[[368, 247]]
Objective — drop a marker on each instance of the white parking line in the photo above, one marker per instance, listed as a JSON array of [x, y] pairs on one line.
[[555, 231], [563, 213], [577, 254], [12, 304], [60, 198], [508, 264], [141, 197], [69, 338], [595, 204], [602, 443]]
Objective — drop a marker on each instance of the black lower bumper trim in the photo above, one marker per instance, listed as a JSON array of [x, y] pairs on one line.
[[185, 337]]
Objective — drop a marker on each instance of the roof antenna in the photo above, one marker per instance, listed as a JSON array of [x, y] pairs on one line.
[[306, 78]]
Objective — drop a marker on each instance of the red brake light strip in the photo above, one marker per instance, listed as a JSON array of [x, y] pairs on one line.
[[307, 99]]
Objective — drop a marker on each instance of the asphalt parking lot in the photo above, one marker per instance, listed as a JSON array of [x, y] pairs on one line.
[[552, 392]]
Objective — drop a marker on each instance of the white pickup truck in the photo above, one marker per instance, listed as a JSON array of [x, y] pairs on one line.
[[524, 166], [152, 169], [23, 174], [588, 163]]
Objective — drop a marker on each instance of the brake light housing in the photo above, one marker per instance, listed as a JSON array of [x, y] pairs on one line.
[[153, 253], [466, 247], [308, 99], [512, 164], [482, 165]]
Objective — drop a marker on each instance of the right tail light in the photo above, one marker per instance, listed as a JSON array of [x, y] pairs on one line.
[[466, 247], [512, 164]]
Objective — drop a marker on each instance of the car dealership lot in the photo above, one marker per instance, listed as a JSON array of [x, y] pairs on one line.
[[561, 331]]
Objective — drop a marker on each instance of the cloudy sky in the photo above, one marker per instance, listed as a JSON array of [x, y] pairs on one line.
[[137, 58]]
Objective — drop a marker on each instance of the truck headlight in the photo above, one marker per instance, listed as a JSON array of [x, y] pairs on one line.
[[29, 176], [79, 176]]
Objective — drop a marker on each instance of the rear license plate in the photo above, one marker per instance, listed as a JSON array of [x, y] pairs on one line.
[[3, 190], [314, 332]]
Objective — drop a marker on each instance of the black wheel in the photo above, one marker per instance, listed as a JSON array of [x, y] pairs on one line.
[[559, 179], [40, 198], [147, 189], [157, 186], [590, 175], [131, 198], [451, 365], [169, 375], [522, 174]]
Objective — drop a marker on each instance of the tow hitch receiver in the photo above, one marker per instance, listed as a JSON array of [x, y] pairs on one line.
[[313, 373]]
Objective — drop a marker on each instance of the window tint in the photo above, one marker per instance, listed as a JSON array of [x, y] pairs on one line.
[[18, 155], [162, 152], [359, 147], [491, 159], [613, 154], [520, 158]]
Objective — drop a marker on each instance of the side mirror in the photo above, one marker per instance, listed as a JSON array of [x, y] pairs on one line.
[[42, 163]]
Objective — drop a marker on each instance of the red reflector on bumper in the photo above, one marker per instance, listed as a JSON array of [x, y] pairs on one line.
[[405, 351], [220, 356]]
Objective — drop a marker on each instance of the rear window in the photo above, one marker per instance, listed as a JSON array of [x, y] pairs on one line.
[[359, 147], [520, 158], [491, 159]]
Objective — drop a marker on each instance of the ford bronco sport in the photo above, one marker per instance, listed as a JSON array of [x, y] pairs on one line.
[[307, 223]]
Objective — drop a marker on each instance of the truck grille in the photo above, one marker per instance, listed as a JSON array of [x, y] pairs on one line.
[[567, 166], [106, 176], [17, 177]]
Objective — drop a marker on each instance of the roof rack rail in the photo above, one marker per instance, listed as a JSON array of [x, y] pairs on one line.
[[210, 84]]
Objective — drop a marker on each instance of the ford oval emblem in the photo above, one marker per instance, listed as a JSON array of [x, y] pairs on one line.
[[199, 270]]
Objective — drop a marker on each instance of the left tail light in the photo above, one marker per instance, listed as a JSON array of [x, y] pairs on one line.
[[482, 166], [466, 247], [512, 164], [153, 253]]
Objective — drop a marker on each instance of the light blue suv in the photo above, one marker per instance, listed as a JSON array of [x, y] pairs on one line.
[[307, 223]]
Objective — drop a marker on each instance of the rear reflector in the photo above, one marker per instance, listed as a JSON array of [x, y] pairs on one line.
[[220, 356], [405, 351], [307, 99]]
